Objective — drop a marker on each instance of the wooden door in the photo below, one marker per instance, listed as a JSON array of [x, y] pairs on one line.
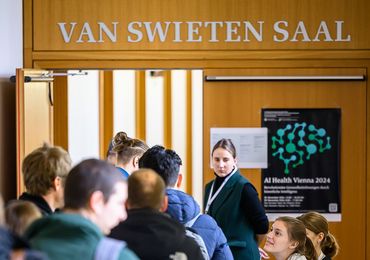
[[239, 104], [34, 114]]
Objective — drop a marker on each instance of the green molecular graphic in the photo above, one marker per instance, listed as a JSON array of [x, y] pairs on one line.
[[296, 145]]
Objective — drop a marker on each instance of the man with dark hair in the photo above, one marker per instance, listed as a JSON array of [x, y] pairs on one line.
[[95, 194], [44, 172], [182, 206], [147, 231]]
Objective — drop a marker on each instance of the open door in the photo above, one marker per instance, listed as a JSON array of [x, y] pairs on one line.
[[34, 114]]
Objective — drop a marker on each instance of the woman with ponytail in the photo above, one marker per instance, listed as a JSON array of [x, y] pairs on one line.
[[287, 240], [317, 230], [128, 151]]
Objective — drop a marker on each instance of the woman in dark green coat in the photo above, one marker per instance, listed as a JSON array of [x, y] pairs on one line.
[[233, 202]]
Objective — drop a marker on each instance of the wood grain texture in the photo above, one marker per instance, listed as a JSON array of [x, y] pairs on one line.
[[239, 104]]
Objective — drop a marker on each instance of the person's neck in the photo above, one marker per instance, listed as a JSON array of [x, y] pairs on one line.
[[83, 212], [283, 255], [319, 253], [126, 167], [50, 200]]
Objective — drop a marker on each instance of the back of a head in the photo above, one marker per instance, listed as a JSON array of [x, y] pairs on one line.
[[87, 177], [20, 214], [163, 161], [126, 148], [297, 232], [146, 189], [42, 166], [317, 223]]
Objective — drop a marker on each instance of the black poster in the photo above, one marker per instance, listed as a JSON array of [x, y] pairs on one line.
[[303, 161]]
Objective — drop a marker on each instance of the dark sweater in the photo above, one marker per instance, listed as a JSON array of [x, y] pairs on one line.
[[155, 236], [253, 208], [38, 201]]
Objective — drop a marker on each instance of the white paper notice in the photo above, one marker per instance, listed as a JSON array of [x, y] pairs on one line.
[[250, 145]]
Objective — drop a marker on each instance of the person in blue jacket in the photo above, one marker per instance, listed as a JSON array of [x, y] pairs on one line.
[[233, 202], [182, 206]]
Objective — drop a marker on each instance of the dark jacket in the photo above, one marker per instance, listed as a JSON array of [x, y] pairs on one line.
[[38, 201], [229, 214], [154, 235], [185, 209]]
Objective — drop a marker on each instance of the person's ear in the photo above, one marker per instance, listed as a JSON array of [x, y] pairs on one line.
[[320, 237], [135, 162], [96, 201], [164, 204], [57, 183], [179, 181], [293, 245]]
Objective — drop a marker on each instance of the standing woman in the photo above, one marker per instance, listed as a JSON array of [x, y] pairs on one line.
[[128, 151], [317, 229], [287, 240], [233, 202]]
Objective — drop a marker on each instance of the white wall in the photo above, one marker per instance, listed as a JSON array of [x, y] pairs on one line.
[[124, 102], [83, 116], [10, 58], [11, 42], [197, 132], [154, 109]]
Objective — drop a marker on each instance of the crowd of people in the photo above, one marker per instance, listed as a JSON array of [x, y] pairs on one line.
[[130, 206]]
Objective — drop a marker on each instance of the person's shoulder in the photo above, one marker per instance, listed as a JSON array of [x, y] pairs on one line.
[[205, 219]]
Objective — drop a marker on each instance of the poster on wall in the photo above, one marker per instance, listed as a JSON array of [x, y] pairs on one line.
[[303, 172], [250, 144]]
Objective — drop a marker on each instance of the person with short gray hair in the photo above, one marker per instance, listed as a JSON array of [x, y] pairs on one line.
[[44, 173]]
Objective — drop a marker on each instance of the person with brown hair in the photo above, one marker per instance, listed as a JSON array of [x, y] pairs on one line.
[[19, 215], [233, 202], [128, 151], [317, 229], [44, 173], [149, 232], [287, 240]]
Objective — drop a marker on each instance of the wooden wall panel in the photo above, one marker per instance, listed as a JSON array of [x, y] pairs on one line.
[[105, 111], [60, 100], [239, 104]]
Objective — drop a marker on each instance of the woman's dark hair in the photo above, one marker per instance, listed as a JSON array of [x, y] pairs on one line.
[[126, 147], [87, 177], [297, 232], [317, 223], [226, 144]]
